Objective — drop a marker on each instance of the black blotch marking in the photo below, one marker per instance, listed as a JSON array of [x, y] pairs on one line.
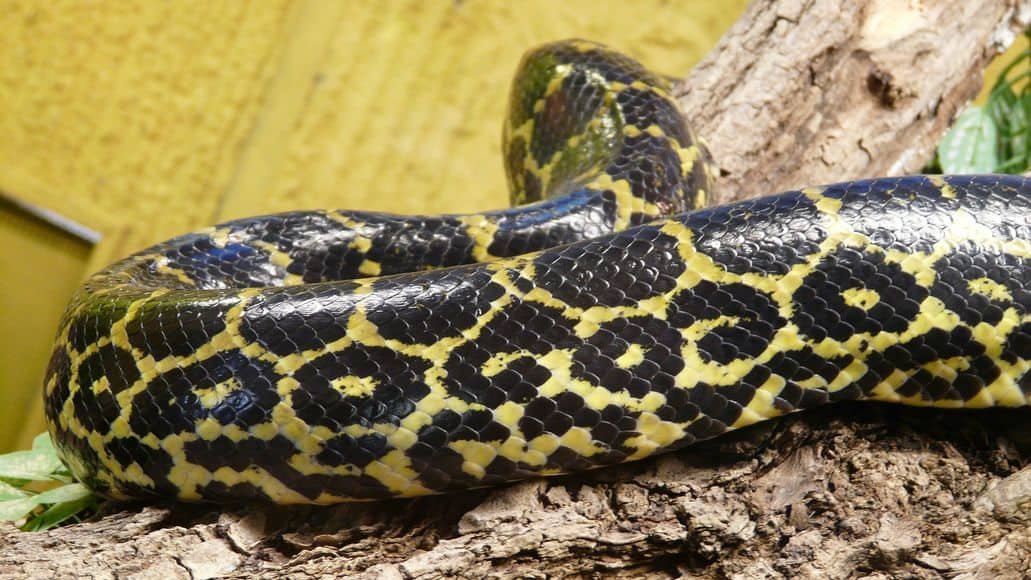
[[765, 236], [170, 403], [969, 262], [155, 463], [757, 319], [441, 305], [398, 385], [95, 322], [820, 308], [617, 271], [163, 327], [295, 319]]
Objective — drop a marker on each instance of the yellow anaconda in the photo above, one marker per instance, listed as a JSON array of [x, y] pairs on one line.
[[256, 359]]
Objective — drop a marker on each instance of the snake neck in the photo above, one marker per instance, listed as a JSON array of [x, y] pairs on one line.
[[583, 118]]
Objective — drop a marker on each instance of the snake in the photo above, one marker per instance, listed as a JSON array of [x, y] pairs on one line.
[[610, 315]]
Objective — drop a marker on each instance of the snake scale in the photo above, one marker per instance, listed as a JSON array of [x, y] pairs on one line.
[[326, 356]]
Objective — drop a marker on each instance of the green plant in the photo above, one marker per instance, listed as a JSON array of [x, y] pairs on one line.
[[36, 490], [993, 138]]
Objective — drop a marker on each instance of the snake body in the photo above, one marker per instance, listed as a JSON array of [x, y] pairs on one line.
[[598, 324]]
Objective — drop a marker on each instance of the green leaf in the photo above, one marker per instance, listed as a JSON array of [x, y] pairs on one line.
[[64, 501], [55, 515], [16, 509], [41, 463], [970, 146], [43, 442], [9, 492], [70, 492], [58, 513], [33, 465]]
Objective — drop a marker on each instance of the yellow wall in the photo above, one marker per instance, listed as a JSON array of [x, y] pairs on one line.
[[995, 67], [144, 119], [39, 268]]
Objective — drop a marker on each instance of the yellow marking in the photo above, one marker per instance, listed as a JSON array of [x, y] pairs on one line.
[[212, 396], [579, 440], [524, 131], [1004, 390], [515, 449], [286, 385], [918, 264], [209, 429], [640, 85], [863, 298], [773, 385], [701, 198], [688, 157], [354, 386], [562, 71], [120, 427], [285, 365], [481, 230], [134, 473], [361, 244], [932, 314], [401, 438], [306, 464], [499, 361], [633, 356], [416, 420], [559, 362], [758, 409], [583, 45], [887, 389], [219, 237], [289, 424], [370, 268], [654, 434], [848, 375], [346, 220], [261, 479], [827, 205], [946, 190], [598, 398], [162, 267], [654, 131], [184, 475], [545, 443], [100, 385], [627, 203], [394, 471], [947, 369], [476, 456], [265, 431], [650, 402], [276, 256], [990, 288], [508, 414]]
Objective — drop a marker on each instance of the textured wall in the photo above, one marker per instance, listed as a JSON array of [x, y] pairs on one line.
[[144, 119]]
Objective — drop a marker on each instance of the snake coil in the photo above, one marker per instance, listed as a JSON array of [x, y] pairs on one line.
[[318, 357]]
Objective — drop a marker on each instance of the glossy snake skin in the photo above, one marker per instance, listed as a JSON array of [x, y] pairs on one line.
[[245, 362]]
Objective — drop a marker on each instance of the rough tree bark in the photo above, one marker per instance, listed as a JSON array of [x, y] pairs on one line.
[[799, 91]]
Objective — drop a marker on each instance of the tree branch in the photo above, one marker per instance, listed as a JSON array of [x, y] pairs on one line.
[[805, 92]]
